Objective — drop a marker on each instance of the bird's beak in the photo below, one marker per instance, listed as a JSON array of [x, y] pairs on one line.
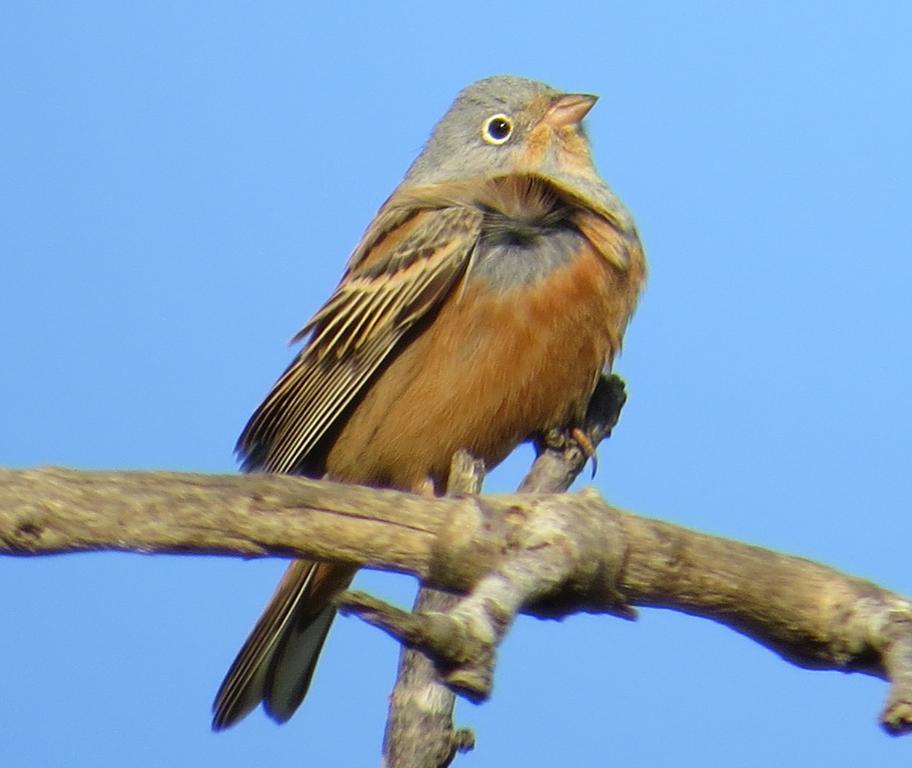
[[569, 109]]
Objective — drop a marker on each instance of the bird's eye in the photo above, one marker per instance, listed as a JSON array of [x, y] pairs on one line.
[[497, 129]]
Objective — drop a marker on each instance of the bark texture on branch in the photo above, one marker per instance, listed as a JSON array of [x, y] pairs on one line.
[[812, 615], [544, 554]]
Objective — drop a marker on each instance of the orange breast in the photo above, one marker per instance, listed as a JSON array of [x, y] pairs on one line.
[[486, 372]]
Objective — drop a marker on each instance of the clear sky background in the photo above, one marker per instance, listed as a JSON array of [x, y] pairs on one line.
[[180, 185]]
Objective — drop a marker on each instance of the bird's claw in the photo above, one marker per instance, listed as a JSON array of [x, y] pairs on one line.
[[585, 443]]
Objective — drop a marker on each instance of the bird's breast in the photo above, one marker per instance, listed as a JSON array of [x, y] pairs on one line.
[[514, 351]]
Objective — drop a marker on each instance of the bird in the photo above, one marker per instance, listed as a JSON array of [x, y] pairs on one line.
[[477, 312]]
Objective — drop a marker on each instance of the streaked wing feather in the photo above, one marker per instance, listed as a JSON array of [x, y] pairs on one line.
[[412, 264]]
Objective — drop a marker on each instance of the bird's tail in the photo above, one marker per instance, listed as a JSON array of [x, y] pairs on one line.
[[278, 658]]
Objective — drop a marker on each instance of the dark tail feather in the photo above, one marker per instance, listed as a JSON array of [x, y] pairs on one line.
[[277, 661]]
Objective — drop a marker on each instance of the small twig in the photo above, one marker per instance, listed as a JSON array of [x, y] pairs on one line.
[[438, 635]]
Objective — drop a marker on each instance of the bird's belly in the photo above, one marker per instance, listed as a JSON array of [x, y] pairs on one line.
[[489, 370]]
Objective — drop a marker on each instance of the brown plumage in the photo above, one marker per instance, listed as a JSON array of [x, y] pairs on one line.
[[478, 310]]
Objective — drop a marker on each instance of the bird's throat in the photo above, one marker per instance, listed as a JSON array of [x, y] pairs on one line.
[[526, 234]]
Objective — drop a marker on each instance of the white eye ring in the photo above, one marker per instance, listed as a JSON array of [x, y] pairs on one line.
[[497, 129]]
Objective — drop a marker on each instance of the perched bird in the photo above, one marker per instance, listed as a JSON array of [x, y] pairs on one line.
[[483, 301]]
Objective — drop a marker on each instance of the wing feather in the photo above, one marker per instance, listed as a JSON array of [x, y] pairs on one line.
[[406, 265]]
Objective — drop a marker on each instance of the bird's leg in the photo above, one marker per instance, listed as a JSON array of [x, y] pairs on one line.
[[557, 439]]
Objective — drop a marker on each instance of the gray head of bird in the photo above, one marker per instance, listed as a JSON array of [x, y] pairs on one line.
[[507, 125]]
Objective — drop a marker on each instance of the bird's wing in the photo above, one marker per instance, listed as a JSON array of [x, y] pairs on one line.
[[407, 263]]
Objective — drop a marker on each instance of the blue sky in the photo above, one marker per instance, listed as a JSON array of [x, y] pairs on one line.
[[181, 184]]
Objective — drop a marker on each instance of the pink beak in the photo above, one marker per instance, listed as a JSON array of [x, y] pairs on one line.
[[569, 109]]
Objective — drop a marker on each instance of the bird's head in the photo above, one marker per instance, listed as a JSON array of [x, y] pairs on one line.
[[508, 125]]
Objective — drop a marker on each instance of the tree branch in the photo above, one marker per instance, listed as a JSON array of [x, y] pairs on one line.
[[544, 554]]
